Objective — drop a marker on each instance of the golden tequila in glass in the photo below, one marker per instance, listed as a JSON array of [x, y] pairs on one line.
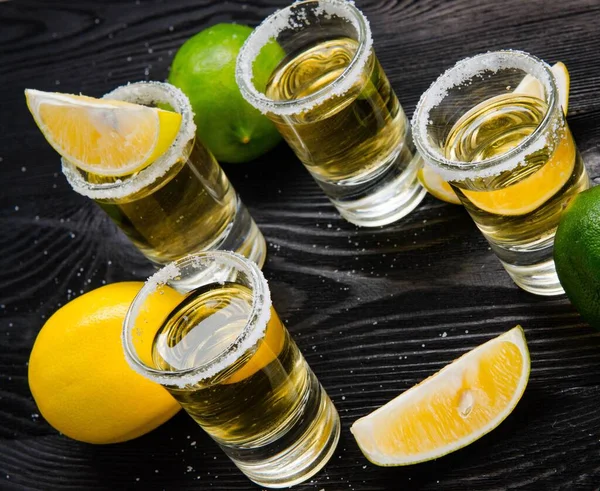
[[345, 136], [254, 398], [182, 202], [224, 354], [332, 102], [509, 155]]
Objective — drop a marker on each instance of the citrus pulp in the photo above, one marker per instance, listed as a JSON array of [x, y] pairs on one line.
[[451, 409], [104, 137]]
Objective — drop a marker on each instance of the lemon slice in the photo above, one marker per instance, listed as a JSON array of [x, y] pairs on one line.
[[456, 406], [267, 351], [436, 186], [530, 193], [532, 87], [104, 137]]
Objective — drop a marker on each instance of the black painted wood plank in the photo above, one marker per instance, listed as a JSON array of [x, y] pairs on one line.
[[386, 296]]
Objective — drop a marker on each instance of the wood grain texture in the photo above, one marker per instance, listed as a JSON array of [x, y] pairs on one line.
[[368, 307]]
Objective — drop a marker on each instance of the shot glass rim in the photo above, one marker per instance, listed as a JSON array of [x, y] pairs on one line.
[[140, 92], [459, 170], [243, 71], [253, 331]]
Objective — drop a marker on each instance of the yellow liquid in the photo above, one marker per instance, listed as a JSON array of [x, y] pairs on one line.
[[184, 211], [345, 136], [250, 402], [522, 205]]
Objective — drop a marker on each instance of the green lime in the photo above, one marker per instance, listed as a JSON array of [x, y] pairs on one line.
[[577, 254], [204, 68]]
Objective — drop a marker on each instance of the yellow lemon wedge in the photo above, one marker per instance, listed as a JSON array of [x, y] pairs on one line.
[[532, 87], [268, 349], [531, 192], [104, 137], [436, 186], [451, 409]]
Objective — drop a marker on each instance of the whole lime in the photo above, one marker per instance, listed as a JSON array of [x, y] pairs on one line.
[[204, 68], [577, 254]]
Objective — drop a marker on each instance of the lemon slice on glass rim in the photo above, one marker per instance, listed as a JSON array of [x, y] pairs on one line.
[[531, 86], [451, 409], [436, 186], [100, 136]]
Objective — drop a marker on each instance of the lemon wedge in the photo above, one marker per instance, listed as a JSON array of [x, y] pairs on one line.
[[528, 194], [436, 186], [268, 350], [451, 409], [532, 87], [104, 137]]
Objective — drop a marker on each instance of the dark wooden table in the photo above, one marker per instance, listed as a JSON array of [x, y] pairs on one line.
[[374, 310]]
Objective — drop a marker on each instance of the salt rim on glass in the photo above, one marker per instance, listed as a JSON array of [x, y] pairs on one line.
[[460, 74], [144, 93], [252, 333], [289, 19]]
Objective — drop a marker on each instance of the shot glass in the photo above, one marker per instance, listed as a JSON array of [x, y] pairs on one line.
[[332, 102], [225, 356], [182, 202], [494, 128]]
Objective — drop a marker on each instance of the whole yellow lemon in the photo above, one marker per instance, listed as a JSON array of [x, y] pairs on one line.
[[78, 374]]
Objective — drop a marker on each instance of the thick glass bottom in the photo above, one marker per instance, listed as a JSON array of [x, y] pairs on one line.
[[540, 279], [391, 193], [531, 266], [305, 447], [242, 236]]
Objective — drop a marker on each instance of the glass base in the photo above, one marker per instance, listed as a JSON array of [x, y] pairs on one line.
[[540, 279], [312, 447], [531, 266], [392, 193]]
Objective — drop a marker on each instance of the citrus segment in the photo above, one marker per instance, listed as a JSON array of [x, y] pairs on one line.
[[268, 350], [515, 201], [104, 137], [532, 87], [434, 183], [563, 84], [78, 374], [531, 192], [450, 409]]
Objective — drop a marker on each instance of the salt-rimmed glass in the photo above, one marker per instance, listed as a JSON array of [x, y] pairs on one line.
[[494, 128], [332, 102], [179, 204], [223, 353]]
